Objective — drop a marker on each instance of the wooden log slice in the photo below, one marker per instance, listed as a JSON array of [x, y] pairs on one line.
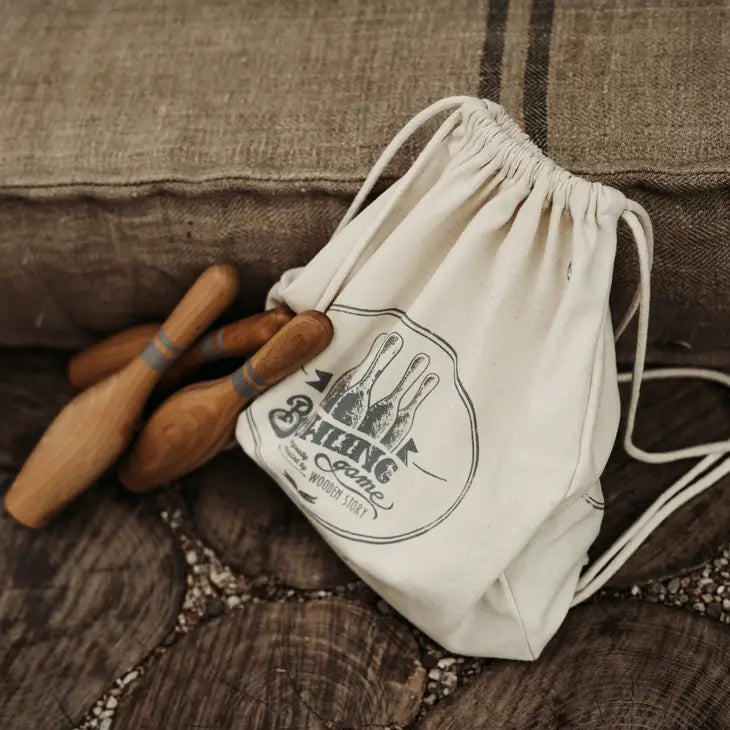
[[33, 389], [611, 665], [253, 526], [672, 414], [294, 666], [85, 598], [82, 600]]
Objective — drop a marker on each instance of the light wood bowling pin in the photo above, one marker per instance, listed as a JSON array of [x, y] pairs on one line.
[[194, 424], [353, 404], [381, 415], [237, 339], [92, 431], [109, 356], [404, 420]]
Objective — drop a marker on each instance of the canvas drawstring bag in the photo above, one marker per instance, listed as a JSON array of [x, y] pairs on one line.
[[449, 443]]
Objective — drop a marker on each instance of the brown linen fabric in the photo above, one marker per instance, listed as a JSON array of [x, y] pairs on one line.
[[141, 140], [135, 91], [90, 267], [690, 289], [128, 261], [632, 91]]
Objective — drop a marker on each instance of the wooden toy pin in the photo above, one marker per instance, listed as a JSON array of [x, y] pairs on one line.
[[93, 430], [194, 425], [109, 356], [238, 339]]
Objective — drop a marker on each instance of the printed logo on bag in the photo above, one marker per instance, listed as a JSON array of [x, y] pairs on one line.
[[381, 445]]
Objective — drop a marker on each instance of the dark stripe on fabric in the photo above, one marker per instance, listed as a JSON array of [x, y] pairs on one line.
[[537, 71], [490, 70]]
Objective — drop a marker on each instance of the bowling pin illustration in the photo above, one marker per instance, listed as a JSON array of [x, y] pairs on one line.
[[353, 404], [381, 415], [404, 419], [346, 380]]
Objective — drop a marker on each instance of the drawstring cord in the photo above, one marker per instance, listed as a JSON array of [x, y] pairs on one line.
[[647, 227], [685, 488], [406, 132], [410, 128]]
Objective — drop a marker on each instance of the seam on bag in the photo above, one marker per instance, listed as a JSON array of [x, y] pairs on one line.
[[581, 448], [512, 598]]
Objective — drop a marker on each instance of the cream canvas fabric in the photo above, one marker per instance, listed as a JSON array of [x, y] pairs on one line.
[[449, 443]]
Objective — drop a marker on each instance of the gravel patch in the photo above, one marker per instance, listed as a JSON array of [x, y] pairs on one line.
[[213, 589]]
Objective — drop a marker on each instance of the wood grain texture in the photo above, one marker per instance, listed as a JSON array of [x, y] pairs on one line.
[[235, 340], [672, 414], [109, 355], [238, 339], [94, 429], [288, 666], [33, 387], [185, 432], [209, 296], [294, 345], [80, 443], [81, 602], [194, 424], [88, 597], [247, 519], [611, 665]]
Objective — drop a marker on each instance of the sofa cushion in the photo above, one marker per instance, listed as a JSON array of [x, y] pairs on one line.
[[142, 140]]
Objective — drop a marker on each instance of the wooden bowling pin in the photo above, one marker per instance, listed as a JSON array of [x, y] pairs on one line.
[[108, 356], [234, 340], [238, 339], [194, 424], [350, 409], [404, 420], [92, 431], [381, 415]]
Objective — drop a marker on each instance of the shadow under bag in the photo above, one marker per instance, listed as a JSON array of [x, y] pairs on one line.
[[449, 443]]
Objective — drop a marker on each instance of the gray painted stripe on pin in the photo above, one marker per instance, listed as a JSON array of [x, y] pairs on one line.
[[207, 347], [165, 340], [155, 358], [242, 386], [212, 345], [252, 375]]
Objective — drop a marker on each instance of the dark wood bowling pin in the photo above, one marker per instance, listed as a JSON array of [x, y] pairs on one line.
[[238, 339], [93, 430], [381, 415], [353, 404], [194, 424], [404, 420]]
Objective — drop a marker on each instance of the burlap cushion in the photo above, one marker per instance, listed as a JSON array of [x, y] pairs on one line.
[[142, 140]]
